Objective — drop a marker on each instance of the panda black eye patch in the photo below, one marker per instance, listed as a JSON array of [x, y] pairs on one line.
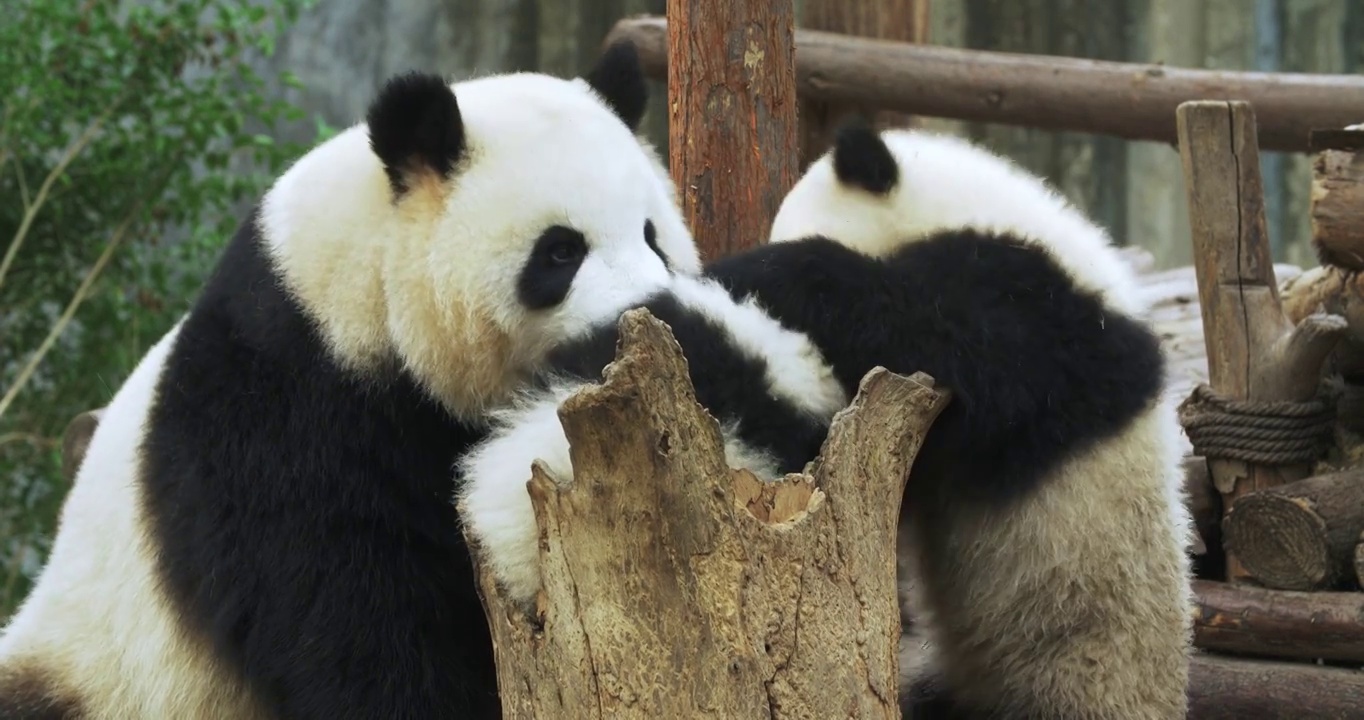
[[549, 270], [651, 239]]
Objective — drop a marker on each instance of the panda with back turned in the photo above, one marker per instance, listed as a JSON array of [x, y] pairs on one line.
[[919, 252], [262, 527]]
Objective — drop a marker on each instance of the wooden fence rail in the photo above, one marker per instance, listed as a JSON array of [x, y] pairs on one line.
[[1128, 100]]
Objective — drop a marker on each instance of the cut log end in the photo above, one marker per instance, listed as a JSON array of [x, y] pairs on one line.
[[1281, 541]]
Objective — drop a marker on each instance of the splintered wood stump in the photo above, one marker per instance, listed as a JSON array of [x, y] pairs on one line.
[[1337, 207], [1254, 352], [677, 587], [1299, 536], [733, 142], [1248, 620], [1222, 688]]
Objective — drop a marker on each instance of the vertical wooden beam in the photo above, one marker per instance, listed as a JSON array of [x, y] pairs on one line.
[[732, 116], [1254, 351], [903, 20]]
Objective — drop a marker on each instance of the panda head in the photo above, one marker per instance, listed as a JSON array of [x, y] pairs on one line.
[[877, 191], [464, 229]]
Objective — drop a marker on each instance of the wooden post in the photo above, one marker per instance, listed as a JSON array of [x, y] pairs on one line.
[[732, 117], [676, 587], [904, 20], [1254, 352]]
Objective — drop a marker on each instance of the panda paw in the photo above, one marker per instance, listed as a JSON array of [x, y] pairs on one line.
[[495, 504]]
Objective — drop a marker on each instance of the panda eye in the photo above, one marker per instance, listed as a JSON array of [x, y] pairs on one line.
[[563, 253], [561, 246]]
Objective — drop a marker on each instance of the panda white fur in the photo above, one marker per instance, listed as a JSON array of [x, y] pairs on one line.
[[262, 526], [1044, 515]]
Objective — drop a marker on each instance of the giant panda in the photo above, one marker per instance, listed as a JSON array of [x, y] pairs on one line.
[[262, 526], [1043, 520]]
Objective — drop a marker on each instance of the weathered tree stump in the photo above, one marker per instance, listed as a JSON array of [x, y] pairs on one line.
[[1248, 620], [1299, 536], [675, 586], [1254, 352]]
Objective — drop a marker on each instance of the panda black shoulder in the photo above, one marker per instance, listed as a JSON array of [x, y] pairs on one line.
[[248, 358], [1041, 367]]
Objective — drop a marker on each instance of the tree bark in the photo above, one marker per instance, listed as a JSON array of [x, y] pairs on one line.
[[1223, 688], [1299, 536], [901, 20], [732, 138], [1337, 208], [1276, 623], [1127, 100], [1254, 352], [675, 586]]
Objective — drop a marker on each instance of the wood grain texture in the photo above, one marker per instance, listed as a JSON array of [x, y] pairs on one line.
[[1301, 535], [732, 138], [677, 587], [1135, 101]]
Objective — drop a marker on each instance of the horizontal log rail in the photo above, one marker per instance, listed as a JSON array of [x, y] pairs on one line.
[[1128, 100]]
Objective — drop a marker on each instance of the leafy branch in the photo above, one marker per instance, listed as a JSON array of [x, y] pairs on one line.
[[31, 208]]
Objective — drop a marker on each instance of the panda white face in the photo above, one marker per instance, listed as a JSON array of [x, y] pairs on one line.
[[875, 191], [465, 229]]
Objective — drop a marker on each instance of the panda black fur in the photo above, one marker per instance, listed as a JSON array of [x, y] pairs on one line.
[[1058, 425], [1063, 428], [262, 527]]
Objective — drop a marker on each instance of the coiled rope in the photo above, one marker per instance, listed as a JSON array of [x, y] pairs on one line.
[[1266, 432]]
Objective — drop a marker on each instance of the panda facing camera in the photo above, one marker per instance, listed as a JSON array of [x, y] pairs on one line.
[[920, 252], [262, 525]]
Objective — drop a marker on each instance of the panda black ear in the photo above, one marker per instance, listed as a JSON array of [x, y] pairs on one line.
[[861, 158], [415, 126], [619, 79]]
